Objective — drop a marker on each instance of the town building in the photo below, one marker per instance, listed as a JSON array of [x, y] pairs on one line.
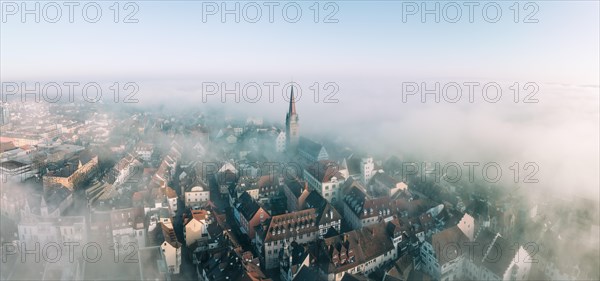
[[452, 255], [16, 171], [171, 247], [300, 227], [196, 195], [293, 259], [127, 229], [359, 251], [41, 220], [144, 151], [75, 172], [384, 184], [293, 190], [325, 178], [249, 214], [127, 167], [280, 142], [196, 228], [329, 220], [361, 210]]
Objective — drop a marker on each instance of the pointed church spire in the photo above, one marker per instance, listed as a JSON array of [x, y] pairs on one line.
[[292, 102], [291, 125]]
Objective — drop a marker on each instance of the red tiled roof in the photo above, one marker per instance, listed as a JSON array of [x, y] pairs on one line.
[[324, 170], [448, 243], [292, 224]]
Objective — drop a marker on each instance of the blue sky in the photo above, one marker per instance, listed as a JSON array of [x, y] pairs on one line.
[[171, 42]]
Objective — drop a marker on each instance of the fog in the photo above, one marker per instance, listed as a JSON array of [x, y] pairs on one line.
[[558, 130], [362, 84]]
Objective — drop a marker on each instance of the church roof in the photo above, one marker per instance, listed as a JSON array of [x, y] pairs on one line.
[[310, 147]]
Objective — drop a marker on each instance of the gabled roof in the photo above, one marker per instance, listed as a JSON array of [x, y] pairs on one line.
[[228, 167], [325, 212], [291, 224], [324, 171], [493, 252], [54, 196], [296, 186], [310, 147], [307, 273], [351, 184], [353, 248], [385, 179], [447, 242], [222, 264], [328, 214], [353, 165], [315, 200], [126, 161], [355, 199], [226, 177], [247, 206], [377, 207]]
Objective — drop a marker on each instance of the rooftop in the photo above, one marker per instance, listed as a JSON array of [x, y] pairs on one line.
[[291, 224]]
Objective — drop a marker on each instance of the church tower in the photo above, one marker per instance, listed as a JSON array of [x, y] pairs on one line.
[[291, 125]]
